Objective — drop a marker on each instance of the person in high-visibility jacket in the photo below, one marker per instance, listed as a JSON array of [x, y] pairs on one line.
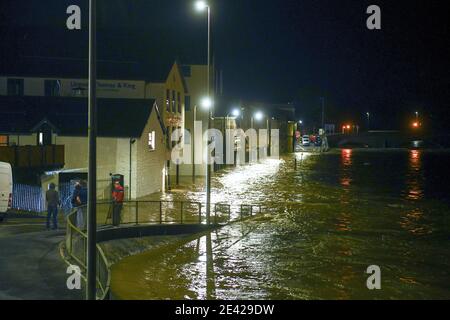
[[118, 195]]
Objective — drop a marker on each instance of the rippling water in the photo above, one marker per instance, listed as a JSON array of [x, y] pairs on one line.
[[336, 215]]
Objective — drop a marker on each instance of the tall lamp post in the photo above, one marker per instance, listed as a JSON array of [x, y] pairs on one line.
[[202, 6], [368, 121], [91, 288]]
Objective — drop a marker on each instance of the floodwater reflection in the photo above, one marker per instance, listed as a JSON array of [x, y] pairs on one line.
[[333, 217]]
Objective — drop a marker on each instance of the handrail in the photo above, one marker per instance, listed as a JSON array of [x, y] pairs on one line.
[[76, 238], [71, 230]]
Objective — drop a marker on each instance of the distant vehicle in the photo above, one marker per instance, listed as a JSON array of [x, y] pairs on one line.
[[305, 141], [5, 188], [318, 142]]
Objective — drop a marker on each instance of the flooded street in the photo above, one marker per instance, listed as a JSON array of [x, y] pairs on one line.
[[332, 218]]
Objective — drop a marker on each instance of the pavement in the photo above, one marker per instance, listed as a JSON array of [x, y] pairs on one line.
[[31, 267]]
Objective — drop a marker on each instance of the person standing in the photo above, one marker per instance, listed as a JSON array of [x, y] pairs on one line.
[[53, 202], [118, 195], [79, 201]]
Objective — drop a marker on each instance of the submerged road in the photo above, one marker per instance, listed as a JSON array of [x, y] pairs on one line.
[[30, 264]]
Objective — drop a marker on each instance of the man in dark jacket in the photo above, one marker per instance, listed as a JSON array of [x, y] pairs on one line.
[[52, 199], [79, 201]]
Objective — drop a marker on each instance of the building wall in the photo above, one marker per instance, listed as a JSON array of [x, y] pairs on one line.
[[197, 87], [23, 140], [113, 89], [149, 165], [173, 118]]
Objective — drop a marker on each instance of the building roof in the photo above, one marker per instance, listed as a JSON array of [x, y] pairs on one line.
[[117, 118], [59, 67]]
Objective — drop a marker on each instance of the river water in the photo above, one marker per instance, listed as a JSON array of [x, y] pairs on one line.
[[335, 216]]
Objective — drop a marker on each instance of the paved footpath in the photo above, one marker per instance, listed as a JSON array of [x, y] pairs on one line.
[[31, 267]]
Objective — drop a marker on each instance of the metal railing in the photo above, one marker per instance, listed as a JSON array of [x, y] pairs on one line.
[[76, 249], [138, 213]]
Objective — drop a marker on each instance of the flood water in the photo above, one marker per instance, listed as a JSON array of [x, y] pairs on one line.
[[334, 216]]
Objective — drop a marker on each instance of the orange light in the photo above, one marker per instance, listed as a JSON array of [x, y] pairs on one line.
[[348, 127], [416, 124]]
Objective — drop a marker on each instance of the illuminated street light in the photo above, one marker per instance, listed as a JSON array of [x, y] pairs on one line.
[[300, 122], [201, 5], [259, 116], [206, 103], [236, 113]]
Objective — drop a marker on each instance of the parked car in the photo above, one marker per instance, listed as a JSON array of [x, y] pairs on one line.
[[305, 141], [318, 142], [5, 188]]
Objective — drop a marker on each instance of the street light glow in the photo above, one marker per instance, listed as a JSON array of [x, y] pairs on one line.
[[259, 116], [301, 122], [206, 103], [236, 113], [201, 5]]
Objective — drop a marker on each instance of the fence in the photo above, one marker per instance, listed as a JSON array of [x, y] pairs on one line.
[[28, 198], [76, 249], [138, 213]]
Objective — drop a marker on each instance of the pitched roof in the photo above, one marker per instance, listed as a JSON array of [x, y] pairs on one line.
[[118, 118]]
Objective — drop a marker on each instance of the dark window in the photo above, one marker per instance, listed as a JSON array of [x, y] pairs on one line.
[[187, 103], [174, 143], [179, 103], [168, 100], [15, 87], [52, 88], [174, 101], [187, 71]]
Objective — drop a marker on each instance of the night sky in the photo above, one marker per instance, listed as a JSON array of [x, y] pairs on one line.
[[279, 51]]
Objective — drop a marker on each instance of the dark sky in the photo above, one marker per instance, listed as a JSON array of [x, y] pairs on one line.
[[279, 50]]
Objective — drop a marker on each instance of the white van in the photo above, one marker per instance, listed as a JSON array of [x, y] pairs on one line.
[[6, 185]]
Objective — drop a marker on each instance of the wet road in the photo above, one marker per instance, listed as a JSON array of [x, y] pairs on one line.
[[332, 218]]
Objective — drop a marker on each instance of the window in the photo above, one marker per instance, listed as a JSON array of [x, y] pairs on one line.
[[174, 107], [179, 103], [4, 140], [168, 100], [15, 87], [52, 88], [152, 141], [187, 103], [174, 143]]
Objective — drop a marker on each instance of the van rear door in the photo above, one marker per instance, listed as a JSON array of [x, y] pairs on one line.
[[5, 186]]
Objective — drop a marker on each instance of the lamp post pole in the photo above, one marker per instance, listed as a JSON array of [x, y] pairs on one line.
[[208, 166], [91, 289], [193, 143]]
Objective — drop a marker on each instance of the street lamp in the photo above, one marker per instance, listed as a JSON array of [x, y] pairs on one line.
[[91, 250], [236, 113], [202, 5], [206, 103], [259, 116], [368, 121]]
